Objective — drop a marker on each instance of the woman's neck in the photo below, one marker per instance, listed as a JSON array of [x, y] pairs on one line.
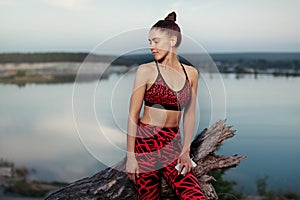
[[170, 60]]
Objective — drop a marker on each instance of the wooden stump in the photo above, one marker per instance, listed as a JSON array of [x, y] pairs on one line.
[[113, 183]]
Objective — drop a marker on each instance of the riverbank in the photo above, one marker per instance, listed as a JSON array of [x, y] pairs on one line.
[[17, 188], [55, 72], [58, 67], [14, 183], [67, 72]]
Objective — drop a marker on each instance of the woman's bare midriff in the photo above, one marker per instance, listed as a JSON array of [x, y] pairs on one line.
[[161, 117]]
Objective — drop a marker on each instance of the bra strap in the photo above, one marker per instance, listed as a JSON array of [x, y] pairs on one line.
[[157, 67], [187, 78]]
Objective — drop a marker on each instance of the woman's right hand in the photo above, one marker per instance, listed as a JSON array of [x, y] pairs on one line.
[[132, 169]]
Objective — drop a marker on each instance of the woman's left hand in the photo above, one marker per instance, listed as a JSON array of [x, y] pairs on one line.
[[185, 162]]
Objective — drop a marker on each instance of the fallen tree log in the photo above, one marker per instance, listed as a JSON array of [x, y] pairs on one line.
[[113, 183]]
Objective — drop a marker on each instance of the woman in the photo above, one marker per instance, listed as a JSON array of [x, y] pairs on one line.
[[168, 90]]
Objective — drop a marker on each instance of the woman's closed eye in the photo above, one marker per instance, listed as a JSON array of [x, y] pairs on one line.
[[155, 40]]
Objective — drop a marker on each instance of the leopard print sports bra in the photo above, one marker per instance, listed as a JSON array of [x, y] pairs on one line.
[[160, 95]]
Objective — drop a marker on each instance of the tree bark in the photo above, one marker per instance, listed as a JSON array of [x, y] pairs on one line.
[[113, 183]]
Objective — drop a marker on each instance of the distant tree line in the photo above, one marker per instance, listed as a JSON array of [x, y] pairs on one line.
[[264, 64], [52, 57], [241, 60]]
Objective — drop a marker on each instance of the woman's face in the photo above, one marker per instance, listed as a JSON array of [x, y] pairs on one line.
[[160, 43]]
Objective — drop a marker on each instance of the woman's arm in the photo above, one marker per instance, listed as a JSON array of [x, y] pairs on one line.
[[136, 102], [189, 123], [190, 112]]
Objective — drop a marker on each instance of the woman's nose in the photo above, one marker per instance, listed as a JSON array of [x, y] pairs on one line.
[[152, 46]]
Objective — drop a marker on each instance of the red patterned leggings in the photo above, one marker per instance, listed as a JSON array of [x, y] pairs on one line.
[[157, 149]]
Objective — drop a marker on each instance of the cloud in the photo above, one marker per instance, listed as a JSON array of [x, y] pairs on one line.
[[76, 25], [58, 124], [54, 136]]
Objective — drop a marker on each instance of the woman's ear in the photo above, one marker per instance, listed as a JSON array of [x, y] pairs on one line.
[[173, 40]]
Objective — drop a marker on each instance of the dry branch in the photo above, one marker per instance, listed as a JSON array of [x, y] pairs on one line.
[[113, 183]]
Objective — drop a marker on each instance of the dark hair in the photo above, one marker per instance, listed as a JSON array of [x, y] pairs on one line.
[[168, 25]]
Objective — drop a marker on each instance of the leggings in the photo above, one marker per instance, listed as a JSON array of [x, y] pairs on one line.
[[157, 149]]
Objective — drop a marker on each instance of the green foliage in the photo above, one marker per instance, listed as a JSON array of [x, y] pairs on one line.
[[291, 195], [21, 73], [224, 188], [26, 189], [261, 186], [238, 69], [243, 61], [58, 184], [51, 57], [22, 172], [5, 163], [272, 194]]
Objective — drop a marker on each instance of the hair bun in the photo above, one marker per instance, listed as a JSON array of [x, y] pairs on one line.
[[171, 17]]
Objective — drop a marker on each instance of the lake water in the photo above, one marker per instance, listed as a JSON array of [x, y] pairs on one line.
[[63, 131]]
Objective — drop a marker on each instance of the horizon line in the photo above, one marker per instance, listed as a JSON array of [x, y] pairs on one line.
[[215, 52]]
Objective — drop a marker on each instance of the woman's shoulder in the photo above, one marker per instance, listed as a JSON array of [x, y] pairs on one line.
[[148, 65], [146, 72], [146, 68]]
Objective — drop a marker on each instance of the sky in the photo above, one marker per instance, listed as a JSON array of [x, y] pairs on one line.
[[219, 26]]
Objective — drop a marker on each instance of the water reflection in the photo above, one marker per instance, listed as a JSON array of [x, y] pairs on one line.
[[37, 128]]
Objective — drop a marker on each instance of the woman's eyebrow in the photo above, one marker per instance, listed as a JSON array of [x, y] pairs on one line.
[[155, 38]]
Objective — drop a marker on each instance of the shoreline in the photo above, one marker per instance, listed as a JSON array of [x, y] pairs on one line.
[[65, 77], [56, 72]]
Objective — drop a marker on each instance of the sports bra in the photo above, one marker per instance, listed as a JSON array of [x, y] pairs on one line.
[[160, 95]]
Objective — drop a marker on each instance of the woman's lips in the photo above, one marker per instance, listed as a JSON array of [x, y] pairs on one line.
[[154, 53]]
